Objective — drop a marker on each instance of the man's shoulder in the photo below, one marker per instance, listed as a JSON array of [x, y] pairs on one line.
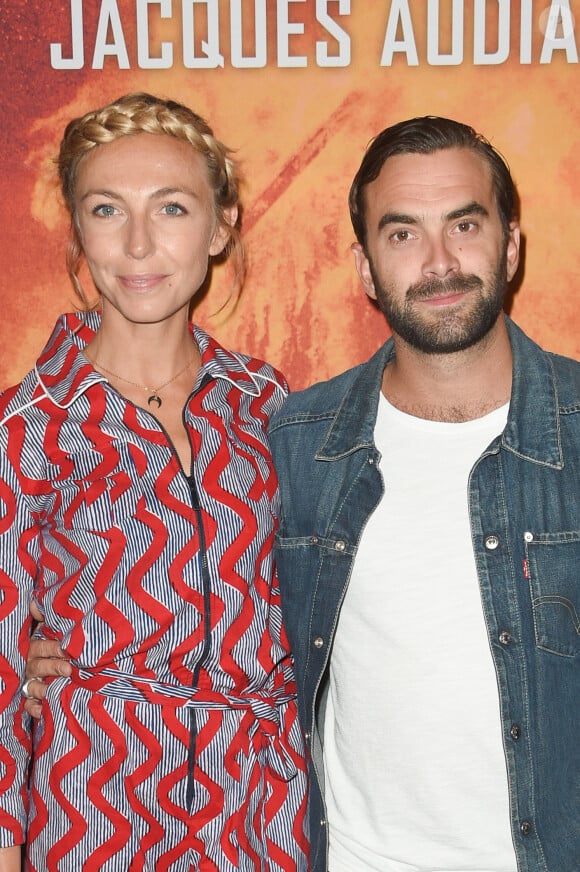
[[532, 363], [567, 373], [567, 367], [320, 397], [324, 398]]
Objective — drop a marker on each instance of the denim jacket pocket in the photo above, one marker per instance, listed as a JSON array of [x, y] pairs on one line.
[[553, 561]]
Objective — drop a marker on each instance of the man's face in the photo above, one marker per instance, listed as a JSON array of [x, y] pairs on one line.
[[437, 261]]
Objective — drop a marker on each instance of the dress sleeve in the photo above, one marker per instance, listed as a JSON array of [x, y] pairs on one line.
[[18, 562]]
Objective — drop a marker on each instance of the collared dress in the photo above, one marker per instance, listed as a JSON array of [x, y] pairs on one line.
[[176, 744]]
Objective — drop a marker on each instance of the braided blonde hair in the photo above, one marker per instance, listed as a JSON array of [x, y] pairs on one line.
[[145, 113]]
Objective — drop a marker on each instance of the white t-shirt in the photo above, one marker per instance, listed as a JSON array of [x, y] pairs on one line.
[[415, 772]]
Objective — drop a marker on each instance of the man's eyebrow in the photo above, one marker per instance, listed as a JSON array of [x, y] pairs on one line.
[[473, 208], [397, 218]]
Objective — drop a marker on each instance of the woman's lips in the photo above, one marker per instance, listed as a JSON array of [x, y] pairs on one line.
[[141, 281]]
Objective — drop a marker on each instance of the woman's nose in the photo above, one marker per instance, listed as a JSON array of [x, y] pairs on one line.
[[139, 239]]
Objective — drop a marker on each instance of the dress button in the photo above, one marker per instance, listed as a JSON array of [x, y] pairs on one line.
[[515, 732], [340, 545], [529, 537], [314, 540], [505, 637], [525, 828], [491, 542], [318, 642]]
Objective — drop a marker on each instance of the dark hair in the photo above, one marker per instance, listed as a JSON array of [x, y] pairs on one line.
[[425, 136]]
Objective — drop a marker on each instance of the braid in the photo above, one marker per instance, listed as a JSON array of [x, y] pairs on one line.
[[144, 113]]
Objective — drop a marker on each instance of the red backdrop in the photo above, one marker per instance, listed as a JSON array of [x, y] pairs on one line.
[[298, 87]]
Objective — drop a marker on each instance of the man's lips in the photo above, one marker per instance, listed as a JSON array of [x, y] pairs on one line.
[[446, 299], [444, 293]]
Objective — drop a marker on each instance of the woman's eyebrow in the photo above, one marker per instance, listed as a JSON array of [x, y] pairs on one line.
[[169, 191]]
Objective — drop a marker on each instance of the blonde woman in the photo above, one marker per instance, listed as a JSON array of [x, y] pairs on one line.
[[137, 508]]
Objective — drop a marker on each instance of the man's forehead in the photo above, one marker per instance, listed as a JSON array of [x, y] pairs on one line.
[[429, 179]]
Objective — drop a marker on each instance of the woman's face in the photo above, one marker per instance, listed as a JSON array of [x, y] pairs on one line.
[[146, 221]]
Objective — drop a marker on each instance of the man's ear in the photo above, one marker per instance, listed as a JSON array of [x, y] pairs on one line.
[[513, 249], [364, 270], [221, 235]]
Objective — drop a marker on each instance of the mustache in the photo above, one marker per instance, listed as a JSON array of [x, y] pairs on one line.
[[457, 284]]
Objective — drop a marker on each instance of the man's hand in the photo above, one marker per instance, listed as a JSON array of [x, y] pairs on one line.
[[45, 658]]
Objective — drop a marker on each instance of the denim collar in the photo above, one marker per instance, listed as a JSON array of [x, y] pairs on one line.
[[533, 426]]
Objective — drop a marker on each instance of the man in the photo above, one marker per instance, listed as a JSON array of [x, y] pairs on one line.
[[429, 543]]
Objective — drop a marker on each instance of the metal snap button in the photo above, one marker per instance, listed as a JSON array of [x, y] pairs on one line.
[[340, 545], [505, 637], [515, 732], [525, 828], [491, 542], [318, 642]]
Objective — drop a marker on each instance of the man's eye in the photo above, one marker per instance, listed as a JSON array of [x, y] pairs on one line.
[[401, 236], [465, 226]]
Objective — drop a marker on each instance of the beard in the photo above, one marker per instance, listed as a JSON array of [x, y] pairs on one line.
[[447, 330]]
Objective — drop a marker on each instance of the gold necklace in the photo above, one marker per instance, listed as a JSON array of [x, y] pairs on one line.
[[154, 397]]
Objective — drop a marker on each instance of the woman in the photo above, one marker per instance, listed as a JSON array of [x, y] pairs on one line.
[[137, 507]]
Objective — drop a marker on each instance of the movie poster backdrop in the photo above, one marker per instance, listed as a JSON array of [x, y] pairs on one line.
[[297, 88]]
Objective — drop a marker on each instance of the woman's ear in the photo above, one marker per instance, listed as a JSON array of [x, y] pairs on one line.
[[222, 233]]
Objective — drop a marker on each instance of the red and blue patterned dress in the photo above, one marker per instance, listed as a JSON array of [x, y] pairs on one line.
[[176, 744]]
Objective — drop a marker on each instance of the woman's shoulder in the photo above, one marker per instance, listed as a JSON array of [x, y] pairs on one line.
[[238, 365], [18, 398]]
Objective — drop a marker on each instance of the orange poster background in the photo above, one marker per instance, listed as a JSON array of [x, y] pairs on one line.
[[299, 134]]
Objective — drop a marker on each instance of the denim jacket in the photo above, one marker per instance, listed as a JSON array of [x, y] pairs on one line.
[[525, 524]]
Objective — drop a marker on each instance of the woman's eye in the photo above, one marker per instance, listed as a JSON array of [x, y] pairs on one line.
[[173, 209], [105, 210]]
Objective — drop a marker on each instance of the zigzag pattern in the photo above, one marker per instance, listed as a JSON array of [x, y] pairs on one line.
[[176, 745]]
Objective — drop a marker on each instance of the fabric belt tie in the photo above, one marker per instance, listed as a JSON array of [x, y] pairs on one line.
[[264, 705]]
